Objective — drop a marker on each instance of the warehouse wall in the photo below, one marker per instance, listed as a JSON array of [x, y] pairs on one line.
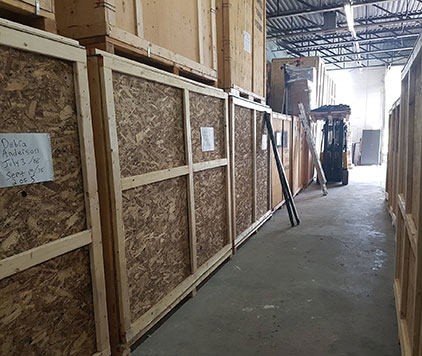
[[363, 90]]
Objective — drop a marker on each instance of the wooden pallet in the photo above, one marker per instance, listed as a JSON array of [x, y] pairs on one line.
[[39, 16], [154, 56], [245, 94]]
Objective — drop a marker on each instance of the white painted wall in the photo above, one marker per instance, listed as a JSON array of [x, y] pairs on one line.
[[370, 92]]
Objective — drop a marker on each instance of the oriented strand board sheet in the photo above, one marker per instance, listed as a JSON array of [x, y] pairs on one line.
[[48, 309], [207, 111], [262, 171], [155, 219], [149, 119], [243, 168], [37, 95], [211, 212]]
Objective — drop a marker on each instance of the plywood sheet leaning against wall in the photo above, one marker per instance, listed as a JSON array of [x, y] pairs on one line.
[[251, 168], [392, 160], [408, 272], [241, 47], [282, 126], [178, 36], [52, 286], [162, 148]]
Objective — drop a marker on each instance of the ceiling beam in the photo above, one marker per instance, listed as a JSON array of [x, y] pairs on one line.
[[370, 52], [349, 43], [370, 66], [358, 28], [370, 59], [313, 10]]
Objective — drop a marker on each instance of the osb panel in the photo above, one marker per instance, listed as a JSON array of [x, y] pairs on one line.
[[243, 168], [37, 95], [149, 118], [207, 111], [48, 309], [155, 220], [262, 188], [211, 212]]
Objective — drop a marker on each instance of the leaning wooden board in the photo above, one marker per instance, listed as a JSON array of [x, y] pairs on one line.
[[408, 266], [52, 287], [164, 188], [251, 168]]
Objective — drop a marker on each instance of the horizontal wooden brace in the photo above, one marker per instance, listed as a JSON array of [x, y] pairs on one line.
[[37, 41], [22, 261], [245, 234], [153, 177], [202, 166], [250, 104]]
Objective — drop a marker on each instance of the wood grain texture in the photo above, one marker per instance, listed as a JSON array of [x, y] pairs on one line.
[[206, 111], [262, 158], [211, 212], [276, 191], [155, 220], [48, 309], [149, 118], [243, 168], [37, 95]]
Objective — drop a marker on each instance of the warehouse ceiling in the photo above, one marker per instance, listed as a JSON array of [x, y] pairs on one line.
[[382, 33]]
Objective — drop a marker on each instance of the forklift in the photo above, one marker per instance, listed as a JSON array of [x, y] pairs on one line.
[[334, 144]]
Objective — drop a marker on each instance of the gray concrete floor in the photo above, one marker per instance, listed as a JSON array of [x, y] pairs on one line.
[[322, 288]]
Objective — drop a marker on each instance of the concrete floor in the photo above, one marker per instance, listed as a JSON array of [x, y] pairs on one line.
[[322, 288]]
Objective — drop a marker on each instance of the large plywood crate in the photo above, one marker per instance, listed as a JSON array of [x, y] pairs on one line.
[[324, 87], [178, 36], [282, 126], [392, 160], [296, 156], [251, 168], [241, 47], [52, 287], [165, 199], [408, 271], [35, 13]]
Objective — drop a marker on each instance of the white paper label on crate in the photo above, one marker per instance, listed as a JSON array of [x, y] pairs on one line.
[[25, 158], [247, 42], [278, 138], [207, 139], [264, 142]]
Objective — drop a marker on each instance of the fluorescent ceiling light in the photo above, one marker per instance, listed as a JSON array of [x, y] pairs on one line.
[[350, 19]]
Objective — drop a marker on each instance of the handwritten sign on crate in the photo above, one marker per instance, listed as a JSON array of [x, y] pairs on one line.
[[25, 158]]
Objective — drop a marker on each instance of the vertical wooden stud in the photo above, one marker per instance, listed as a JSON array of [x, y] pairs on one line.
[[139, 19], [254, 173], [190, 183]]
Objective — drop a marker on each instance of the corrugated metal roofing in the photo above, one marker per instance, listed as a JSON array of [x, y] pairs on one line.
[[401, 18]]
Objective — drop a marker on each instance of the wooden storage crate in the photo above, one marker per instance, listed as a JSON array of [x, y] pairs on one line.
[[325, 89], [282, 126], [178, 36], [241, 48], [408, 271], [251, 168], [35, 13], [165, 203], [296, 156], [392, 160], [52, 287]]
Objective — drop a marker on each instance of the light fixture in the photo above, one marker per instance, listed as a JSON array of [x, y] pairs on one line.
[[350, 19]]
